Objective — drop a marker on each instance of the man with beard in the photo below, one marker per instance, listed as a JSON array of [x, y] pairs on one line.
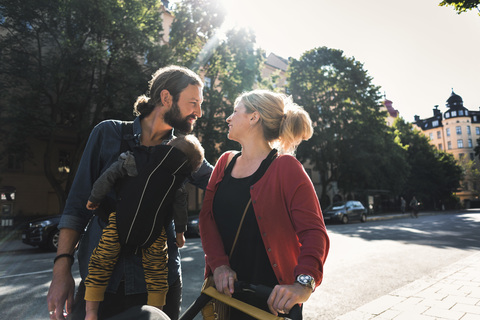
[[173, 101]]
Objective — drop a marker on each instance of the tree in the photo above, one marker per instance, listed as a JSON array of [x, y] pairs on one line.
[[471, 172], [351, 144], [462, 6], [66, 65], [194, 32], [234, 68], [434, 174], [227, 59]]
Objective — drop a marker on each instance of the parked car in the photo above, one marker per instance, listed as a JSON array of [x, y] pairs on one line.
[[192, 227], [345, 211], [42, 232]]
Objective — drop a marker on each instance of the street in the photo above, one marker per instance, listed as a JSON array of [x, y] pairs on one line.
[[366, 261]]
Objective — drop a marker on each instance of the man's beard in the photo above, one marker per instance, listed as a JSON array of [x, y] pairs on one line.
[[174, 118]]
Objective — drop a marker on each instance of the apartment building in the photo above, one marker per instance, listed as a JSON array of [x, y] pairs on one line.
[[456, 131]]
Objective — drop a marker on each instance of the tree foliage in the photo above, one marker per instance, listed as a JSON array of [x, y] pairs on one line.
[[471, 171], [352, 144], [194, 31], [434, 174], [227, 59], [68, 64], [235, 67], [462, 6]]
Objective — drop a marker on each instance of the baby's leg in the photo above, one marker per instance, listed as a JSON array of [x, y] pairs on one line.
[[102, 262], [155, 268]]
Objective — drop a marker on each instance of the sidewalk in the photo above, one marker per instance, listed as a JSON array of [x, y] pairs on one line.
[[453, 293]]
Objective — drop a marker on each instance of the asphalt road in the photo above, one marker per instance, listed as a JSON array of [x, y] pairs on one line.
[[365, 262]]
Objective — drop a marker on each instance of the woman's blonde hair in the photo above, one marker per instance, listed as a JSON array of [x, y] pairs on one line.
[[285, 124]]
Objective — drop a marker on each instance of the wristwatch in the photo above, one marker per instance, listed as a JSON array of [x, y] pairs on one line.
[[306, 281]]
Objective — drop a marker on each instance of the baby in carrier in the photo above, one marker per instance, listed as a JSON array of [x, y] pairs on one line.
[[146, 198]]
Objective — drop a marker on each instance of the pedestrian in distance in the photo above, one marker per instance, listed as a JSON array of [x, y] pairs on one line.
[[414, 207], [173, 102], [137, 226], [261, 220], [403, 204]]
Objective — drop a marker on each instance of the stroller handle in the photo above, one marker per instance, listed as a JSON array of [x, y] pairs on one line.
[[261, 291], [264, 292]]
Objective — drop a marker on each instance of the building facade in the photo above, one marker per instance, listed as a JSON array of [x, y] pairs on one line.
[[457, 132]]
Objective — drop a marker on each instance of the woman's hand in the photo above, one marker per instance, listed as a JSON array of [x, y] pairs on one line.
[[225, 278], [284, 297]]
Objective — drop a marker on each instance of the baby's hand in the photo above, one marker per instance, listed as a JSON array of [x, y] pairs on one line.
[[180, 239], [91, 205]]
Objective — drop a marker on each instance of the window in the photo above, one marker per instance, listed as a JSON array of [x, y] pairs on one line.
[[470, 144], [459, 130], [439, 134], [431, 135], [440, 147], [435, 123], [7, 196], [469, 131], [447, 115], [475, 118], [454, 113], [460, 112], [64, 162], [448, 132], [477, 130], [459, 143], [449, 145]]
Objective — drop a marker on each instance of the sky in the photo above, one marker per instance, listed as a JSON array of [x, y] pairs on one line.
[[415, 50]]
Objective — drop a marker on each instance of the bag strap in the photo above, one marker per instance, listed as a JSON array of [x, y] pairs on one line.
[[239, 227], [108, 204], [127, 142]]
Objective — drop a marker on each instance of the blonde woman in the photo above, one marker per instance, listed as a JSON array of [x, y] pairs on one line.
[[282, 241]]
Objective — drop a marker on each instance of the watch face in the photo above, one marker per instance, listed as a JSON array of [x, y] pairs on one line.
[[306, 280]]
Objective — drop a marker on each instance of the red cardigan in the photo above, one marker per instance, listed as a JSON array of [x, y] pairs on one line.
[[288, 215]]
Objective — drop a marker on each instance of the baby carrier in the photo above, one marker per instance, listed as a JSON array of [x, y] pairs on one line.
[[144, 202]]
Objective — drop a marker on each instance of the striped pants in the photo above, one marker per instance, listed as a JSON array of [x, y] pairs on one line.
[[106, 254]]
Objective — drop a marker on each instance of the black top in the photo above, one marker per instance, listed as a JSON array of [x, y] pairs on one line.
[[249, 259]]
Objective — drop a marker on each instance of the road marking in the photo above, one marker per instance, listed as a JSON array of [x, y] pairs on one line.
[[25, 274]]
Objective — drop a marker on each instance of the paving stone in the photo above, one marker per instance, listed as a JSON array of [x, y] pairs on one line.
[[452, 293]]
